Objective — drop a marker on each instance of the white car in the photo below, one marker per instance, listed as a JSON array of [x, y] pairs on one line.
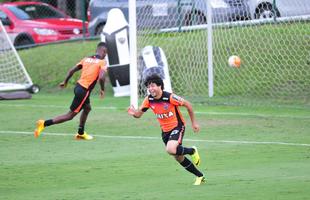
[[261, 9], [168, 13]]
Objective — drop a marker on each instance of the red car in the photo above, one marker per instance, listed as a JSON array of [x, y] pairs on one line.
[[35, 22]]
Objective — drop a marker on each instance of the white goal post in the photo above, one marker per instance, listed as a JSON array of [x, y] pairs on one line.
[[13, 75], [133, 54], [274, 52]]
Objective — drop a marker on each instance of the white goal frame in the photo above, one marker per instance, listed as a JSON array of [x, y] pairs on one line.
[[5, 86], [133, 54]]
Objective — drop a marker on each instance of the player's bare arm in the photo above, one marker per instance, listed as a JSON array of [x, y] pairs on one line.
[[137, 113], [69, 75], [101, 81], [191, 113]]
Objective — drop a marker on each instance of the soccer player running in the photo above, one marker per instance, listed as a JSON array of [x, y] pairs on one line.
[[93, 69], [165, 106]]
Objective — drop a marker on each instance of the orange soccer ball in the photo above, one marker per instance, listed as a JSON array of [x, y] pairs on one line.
[[234, 61]]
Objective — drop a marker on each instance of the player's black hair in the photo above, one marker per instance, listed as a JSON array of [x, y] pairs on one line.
[[101, 44], [100, 47], [154, 78]]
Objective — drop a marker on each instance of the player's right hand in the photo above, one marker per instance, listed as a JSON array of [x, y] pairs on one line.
[[62, 85], [131, 110]]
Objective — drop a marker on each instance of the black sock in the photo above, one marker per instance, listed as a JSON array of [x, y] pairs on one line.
[[81, 130], [189, 166], [184, 150], [48, 122]]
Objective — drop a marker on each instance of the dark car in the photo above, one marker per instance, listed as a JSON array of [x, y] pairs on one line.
[[261, 9], [33, 22], [168, 13]]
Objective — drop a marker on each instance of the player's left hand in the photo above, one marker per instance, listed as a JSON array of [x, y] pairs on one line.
[[101, 94], [195, 127]]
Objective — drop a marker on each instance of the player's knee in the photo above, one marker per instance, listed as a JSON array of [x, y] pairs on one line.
[[71, 115], [170, 150], [87, 108], [171, 147]]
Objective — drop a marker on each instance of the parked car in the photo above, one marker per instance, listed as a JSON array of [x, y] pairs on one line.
[[35, 22], [168, 13], [261, 9]]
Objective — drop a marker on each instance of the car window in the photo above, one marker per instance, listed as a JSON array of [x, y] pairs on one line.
[[3, 15], [25, 12], [19, 13]]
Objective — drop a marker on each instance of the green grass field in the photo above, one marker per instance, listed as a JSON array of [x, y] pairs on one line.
[[247, 153], [249, 150]]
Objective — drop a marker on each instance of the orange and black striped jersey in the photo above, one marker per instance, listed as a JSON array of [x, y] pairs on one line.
[[166, 110], [90, 70]]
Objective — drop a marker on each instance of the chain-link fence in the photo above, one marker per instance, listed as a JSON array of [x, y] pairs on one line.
[[273, 45], [270, 36]]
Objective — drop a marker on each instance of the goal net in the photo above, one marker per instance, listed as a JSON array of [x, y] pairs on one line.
[[13, 75], [272, 41]]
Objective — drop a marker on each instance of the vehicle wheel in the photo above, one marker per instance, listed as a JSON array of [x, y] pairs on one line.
[[195, 18], [99, 29], [22, 41], [34, 89], [265, 11]]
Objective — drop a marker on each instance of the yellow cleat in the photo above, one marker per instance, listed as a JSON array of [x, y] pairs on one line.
[[40, 128], [85, 136], [195, 156], [199, 180]]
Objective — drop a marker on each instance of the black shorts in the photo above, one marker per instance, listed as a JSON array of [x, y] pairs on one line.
[[175, 134], [81, 98]]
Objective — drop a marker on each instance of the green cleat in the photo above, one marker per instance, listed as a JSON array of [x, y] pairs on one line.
[[195, 156], [199, 180], [85, 136], [40, 128]]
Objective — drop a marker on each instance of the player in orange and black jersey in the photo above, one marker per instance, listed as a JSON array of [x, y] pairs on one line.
[[93, 69], [165, 106]]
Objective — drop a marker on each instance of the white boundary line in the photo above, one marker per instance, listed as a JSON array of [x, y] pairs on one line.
[[197, 112], [53, 106], [157, 138], [254, 115]]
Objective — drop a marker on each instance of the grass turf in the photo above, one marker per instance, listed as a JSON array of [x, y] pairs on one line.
[[118, 166]]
